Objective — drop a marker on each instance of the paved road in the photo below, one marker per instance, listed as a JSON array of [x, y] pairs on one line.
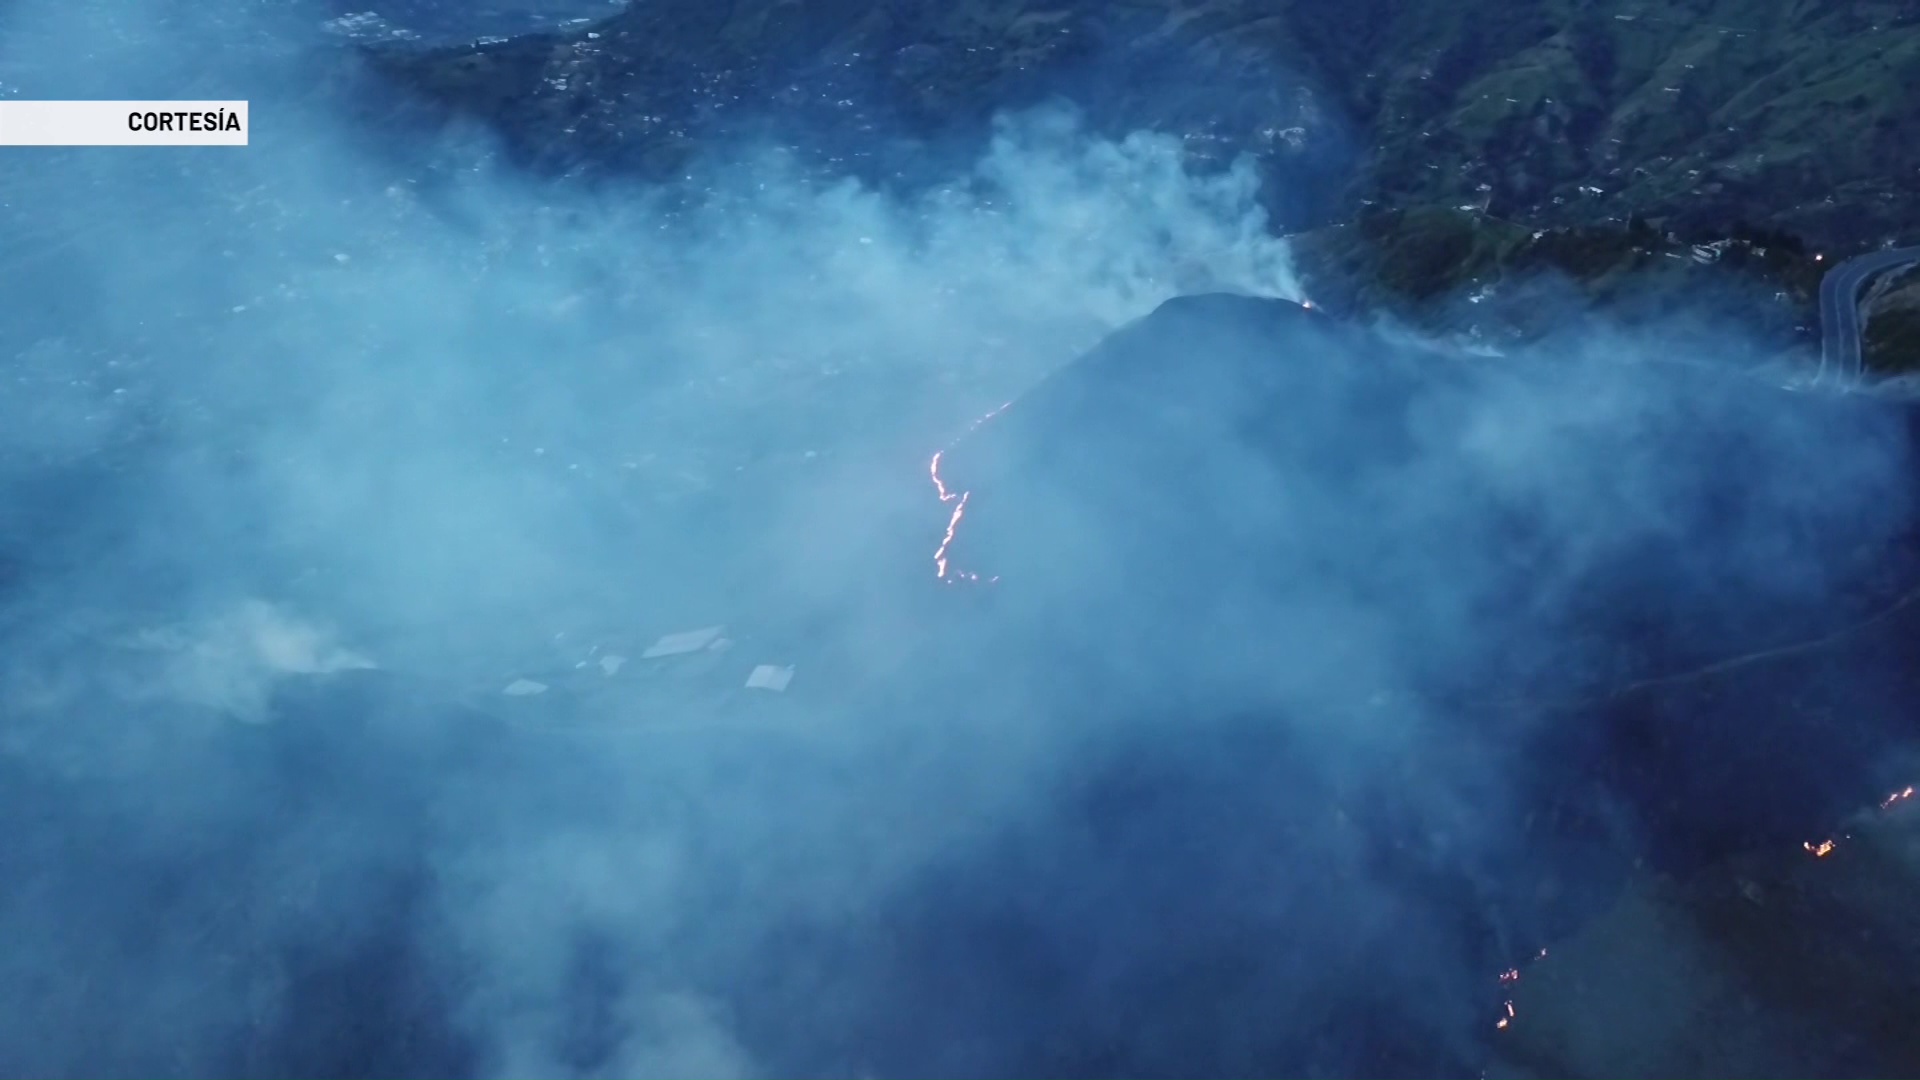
[[1840, 308]]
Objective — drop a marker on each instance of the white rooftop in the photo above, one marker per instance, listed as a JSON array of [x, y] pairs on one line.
[[770, 677], [687, 641]]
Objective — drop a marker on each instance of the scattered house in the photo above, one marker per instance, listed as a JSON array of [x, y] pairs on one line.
[[1710, 253], [770, 677], [687, 641]]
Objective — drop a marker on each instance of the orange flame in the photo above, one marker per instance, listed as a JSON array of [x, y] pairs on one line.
[[941, 564], [1825, 847], [1819, 851], [959, 501]]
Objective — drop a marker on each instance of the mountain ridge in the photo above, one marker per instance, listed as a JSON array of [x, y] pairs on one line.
[[1779, 112]]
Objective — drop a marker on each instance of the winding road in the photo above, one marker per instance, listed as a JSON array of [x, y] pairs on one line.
[[1840, 323]]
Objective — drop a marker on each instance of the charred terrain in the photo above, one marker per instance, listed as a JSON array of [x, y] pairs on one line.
[[1255, 772]]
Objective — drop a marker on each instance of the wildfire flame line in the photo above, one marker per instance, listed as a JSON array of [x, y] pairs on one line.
[[942, 567], [1825, 847], [959, 501], [1819, 851]]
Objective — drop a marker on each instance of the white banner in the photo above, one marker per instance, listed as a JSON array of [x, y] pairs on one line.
[[123, 123]]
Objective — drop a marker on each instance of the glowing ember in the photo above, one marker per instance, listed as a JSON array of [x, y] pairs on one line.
[[1819, 851], [941, 566], [959, 501], [1825, 847], [1509, 977]]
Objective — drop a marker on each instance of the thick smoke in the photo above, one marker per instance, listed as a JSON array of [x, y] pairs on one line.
[[310, 455]]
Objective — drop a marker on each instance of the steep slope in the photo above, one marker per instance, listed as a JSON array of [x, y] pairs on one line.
[[1402, 566], [1772, 110], [1775, 111], [1234, 478], [1492, 281], [1324, 679], [1892, 336], [1775, 962]]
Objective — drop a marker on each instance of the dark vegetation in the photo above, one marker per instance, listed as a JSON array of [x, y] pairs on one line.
[[1699, 112], [1454, 269], [1893, 340], [1775, 122]]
